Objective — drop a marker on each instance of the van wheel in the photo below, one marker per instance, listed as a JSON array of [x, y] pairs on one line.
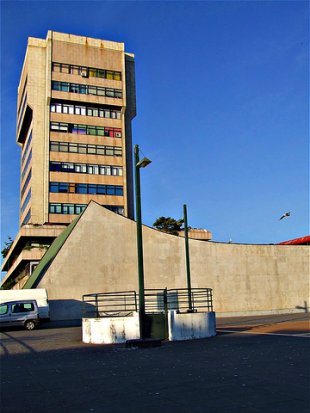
[[30, 325]]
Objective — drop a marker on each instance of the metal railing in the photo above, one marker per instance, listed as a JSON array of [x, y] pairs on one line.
[[157, 301], [111, 304], [202, 300]]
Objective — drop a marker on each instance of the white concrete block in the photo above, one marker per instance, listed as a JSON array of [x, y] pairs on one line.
[[188, 326], [109, 330]]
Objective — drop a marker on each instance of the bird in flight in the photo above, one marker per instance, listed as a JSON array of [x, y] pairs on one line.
[[287, 214]]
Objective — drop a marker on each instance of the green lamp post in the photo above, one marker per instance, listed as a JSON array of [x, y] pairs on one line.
[[140, 164]]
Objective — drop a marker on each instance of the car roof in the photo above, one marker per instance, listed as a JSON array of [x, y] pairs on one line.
[[19, 302]]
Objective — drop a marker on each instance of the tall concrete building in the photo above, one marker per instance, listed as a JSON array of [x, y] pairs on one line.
[[76, 101]]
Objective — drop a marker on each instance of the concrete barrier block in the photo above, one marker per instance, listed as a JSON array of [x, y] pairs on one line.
[[109, 330], [189, 326]]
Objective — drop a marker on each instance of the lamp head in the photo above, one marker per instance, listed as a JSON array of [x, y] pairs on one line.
[[143, 163]]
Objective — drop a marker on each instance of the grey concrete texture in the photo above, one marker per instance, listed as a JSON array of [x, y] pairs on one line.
[[50, 370]]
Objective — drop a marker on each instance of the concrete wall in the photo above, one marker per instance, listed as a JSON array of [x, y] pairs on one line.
[[100, 255]]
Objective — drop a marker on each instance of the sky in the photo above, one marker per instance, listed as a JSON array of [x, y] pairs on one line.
[[222, 107]]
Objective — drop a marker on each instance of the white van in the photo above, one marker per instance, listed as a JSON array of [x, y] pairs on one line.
[[19, 313], [37, 294]]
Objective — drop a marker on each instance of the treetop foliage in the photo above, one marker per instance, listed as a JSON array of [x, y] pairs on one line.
[[169, 225]]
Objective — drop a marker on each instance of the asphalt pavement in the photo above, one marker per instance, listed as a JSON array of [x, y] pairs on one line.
[[254, 364]]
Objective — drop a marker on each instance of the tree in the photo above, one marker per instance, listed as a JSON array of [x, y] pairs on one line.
[[169, 225], [7, 247]]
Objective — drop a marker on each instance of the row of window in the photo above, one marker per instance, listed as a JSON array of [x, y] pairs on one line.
[[83, 168], [26, 201], [85, 110], [87, 149], [75, 209], [72, 188], [86, 129], [26, 183], [86, 89], [86, 71], [24, 170]]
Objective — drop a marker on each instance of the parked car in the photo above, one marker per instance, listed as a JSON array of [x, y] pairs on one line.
[[38, 294], [22, 313]]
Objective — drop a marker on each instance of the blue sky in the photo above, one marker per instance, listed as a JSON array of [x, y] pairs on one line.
[[222, 107]]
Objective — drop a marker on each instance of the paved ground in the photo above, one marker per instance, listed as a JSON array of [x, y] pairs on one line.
[[254, 364]]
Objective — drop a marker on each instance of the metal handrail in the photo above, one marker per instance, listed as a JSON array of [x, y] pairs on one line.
[[110, 304], [201, 299], [157, 301]]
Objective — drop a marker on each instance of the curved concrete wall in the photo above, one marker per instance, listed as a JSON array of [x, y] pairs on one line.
[[100, 255]]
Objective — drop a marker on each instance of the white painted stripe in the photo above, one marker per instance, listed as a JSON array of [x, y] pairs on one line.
[[266, 334]]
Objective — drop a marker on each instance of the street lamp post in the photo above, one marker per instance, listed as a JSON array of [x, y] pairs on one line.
[[140, 164]]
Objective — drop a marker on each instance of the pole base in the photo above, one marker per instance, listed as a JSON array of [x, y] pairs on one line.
[[143, 343]]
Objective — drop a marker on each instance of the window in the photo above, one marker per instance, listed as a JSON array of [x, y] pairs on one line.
[[101, 189], [24, 170], [22, 307], [26, 147], [81, 188], [116, 209], [82, 148], [74, 70], [26, 183], [119, 191], [63, 147], [74, 88], [56, 85], [79, 208], [68, 209], [91, 149], [59, 127], [53, 187], [110, 92], [67, 166], [3, 309], [100, 150], [63, 187], [27, 217], [110, 190], [55, 166], [64, 86], [73, 147], [26, 201], [55, 208], [92, 189], [117, 151], [109, 150]]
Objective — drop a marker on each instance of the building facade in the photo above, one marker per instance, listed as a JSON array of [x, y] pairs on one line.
[[76, 101]]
